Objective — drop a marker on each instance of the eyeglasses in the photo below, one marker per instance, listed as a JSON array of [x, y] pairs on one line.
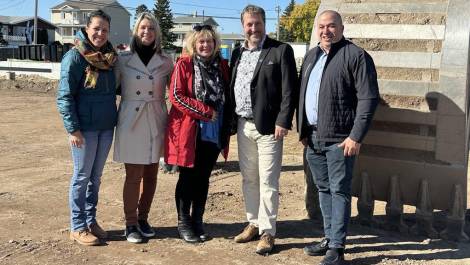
[[201, 27]]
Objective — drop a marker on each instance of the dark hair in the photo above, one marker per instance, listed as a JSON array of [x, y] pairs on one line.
[[252, 9], [98, 13]]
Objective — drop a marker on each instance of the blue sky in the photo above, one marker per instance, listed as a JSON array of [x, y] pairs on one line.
[[222, 8]]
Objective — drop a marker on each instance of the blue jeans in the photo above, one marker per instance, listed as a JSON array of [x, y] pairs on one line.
[[332, 174], [88, 164]]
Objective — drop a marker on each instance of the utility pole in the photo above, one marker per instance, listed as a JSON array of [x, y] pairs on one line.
[[278, 9], [35, 37], [203, 17]]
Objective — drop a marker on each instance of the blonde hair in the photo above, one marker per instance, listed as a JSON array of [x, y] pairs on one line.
[[192, 37], [158, 34]]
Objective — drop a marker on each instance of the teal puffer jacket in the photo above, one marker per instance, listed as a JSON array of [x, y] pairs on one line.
[[83, 108]]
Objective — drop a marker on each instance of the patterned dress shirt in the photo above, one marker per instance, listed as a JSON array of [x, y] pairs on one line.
[[246, 67]]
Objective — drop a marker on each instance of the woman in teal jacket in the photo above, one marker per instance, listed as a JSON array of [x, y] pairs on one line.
[[86, 100]]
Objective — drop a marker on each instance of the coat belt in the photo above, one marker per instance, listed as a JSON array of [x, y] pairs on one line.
[[144, 103]]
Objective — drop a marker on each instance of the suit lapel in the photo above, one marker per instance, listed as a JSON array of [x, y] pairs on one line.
[[236, 63], [262, 56]]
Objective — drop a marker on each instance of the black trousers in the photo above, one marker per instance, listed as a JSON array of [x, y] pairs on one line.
[[193, 183]]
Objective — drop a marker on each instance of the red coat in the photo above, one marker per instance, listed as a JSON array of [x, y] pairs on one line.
[[186, 110]]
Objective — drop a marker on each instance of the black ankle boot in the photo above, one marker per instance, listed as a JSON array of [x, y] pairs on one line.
[[198, 227], [185, 228], [197, 217], [186, 232]]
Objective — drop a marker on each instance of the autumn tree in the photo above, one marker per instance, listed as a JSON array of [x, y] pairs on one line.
[[284, 34], [301, 19], [162, 12]]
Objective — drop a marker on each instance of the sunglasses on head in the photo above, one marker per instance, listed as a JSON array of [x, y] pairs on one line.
[[201, 27]]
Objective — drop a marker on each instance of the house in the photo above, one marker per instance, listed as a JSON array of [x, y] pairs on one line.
[[231, 39], [71, 16], [184, 24], [18, 30]]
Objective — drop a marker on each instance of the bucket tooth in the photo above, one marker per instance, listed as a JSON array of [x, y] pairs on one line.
[[455, 220], [394, 207], [424, 213], [365, 202], [312, 201]]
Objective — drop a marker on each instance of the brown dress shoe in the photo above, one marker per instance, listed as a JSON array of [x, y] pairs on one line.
[[248, 234], [97, 231], [266, 244], [84, 237]]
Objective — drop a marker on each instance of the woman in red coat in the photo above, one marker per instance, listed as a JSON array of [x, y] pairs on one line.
[[196, 133]]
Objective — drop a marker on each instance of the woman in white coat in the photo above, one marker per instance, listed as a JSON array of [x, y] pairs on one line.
[[143, 74]]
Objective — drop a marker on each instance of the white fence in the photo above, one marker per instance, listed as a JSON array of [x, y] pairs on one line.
[[25, 67]]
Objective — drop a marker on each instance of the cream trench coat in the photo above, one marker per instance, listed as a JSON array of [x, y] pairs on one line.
[[142, 112]]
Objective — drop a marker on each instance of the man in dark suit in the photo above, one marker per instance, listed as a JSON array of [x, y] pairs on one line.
[[263, 98]]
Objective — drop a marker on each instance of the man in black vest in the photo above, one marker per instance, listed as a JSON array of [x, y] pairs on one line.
[[338, 98]]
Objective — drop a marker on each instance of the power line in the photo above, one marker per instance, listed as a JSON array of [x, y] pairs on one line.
[[220, 8], [98, 4], [13, 4], [210, 7], [223, 17]]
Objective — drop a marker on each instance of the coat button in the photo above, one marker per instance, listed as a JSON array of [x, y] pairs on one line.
[[138, 92], [150, 92], [151, 77], [137, 109], [138, 77]]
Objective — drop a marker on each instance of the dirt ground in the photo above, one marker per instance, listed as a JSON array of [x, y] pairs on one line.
[[35, 168]]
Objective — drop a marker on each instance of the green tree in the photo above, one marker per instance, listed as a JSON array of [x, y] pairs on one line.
[[301, 19], [140, 9], [284, 34], [162, 12]]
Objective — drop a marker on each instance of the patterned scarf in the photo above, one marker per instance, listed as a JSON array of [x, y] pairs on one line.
[[208, 82], [98, 60]]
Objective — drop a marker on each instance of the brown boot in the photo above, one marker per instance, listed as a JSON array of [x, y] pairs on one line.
[[266, 244], [97, 231], [249, 233], [84, 237]]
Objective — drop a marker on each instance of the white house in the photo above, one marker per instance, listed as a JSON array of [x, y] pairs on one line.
[[71, 16], [184, 24]]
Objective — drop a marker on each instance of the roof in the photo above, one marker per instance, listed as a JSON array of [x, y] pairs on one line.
[[13, 20], [195, 20], [87, 4]]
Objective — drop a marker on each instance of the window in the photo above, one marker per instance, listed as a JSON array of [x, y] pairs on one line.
[[67, 32], [63, 15], [85, 16]]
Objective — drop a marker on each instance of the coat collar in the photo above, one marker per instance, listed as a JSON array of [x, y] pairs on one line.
[[335, 46], [135, 63], [155, 63]]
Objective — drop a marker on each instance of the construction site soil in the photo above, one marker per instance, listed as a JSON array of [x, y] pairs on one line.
[[35, 169]]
